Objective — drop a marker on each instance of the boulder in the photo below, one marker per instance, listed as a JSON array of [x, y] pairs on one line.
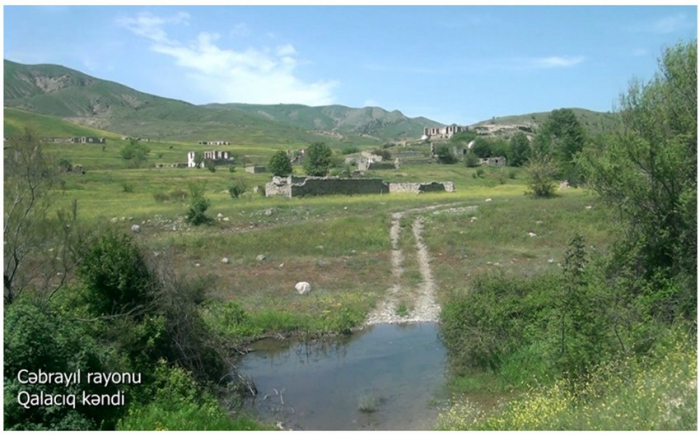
[[260, 257], [136, 228], [303, 288], [225, 260]]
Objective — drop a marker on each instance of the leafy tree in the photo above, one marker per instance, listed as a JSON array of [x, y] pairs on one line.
[[481, 147], [564, 135], [135, 152], [318, 159], [519, 150], [648, 172], [444, 155], [384, 153], [279, 164]]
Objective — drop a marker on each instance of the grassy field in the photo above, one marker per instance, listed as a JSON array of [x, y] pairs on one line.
[[340, 244]]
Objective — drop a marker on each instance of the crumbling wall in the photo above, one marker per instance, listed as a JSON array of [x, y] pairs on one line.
[[334, 186], [416, 188]]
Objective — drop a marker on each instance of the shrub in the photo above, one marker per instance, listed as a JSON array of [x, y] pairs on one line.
[[471, 160], [210, 165], [65, 165], [384, 153], [238, 188], [349, 149], [196, 213], [444, 155], [479, 172], [116, 276], [127, 187], [541, 172]]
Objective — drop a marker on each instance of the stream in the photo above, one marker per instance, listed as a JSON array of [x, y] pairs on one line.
[[385, 377]]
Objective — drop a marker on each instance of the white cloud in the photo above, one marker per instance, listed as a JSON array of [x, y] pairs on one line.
[[253, 75], [670, 24], [556, 61]]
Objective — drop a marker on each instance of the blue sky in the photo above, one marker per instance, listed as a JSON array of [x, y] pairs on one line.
[[459, 64]]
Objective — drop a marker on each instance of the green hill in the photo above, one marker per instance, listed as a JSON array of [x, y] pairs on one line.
[[62, 92], [16, 120], [370, 121]]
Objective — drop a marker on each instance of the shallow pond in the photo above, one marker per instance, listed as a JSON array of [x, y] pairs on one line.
[[385, 377]]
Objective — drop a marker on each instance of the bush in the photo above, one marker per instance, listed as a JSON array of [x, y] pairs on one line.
[[127, 187], [384, 153], [196, 213], [350, 149], [210, 165], [135, 152], [116, 276], [37, 337], [471, 160], [238, 188], [479, 172], [279, 164], [444, 155], [65, 165], [175, 195], [541, 172]]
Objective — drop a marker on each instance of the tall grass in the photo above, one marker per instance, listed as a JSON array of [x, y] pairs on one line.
[[658, 393]]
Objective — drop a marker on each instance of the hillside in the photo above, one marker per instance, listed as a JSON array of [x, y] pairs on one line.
[[593, 122], [16, 120], [371, 121], [77, 97]]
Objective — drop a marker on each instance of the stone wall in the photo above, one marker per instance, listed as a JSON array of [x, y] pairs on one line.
[[334, 186], [255, 169], [294, 186], [416, 188]]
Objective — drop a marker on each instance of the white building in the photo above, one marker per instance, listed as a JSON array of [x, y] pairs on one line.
[[219, 157]]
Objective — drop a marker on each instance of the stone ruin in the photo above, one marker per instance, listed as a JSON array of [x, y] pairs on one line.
[[294, 186]]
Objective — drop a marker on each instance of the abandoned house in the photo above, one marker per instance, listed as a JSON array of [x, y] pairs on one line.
[[219, 158], [443, 132]]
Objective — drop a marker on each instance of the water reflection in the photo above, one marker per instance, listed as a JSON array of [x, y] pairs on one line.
[[383, 377]]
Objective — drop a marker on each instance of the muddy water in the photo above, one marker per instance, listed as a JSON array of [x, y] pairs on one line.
[[395, 370]]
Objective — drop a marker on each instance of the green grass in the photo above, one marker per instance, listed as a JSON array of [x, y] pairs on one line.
[[659, 393]]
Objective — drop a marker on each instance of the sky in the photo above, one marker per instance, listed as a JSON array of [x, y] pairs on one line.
[[452, 64]]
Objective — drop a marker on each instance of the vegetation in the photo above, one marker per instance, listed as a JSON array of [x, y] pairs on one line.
[[444, 155], [196, 213], [279, 164], [608, 342], [318, 159]]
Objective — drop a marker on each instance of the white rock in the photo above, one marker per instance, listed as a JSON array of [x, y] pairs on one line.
[[269, 212], [589, 207], [226, 218], [281, 265], [114, 220], [136, 228], [488, 199], [530, 234], [550, 260], [197, 265], [303, 288], [225, 260], [260, 257], [219, 215]]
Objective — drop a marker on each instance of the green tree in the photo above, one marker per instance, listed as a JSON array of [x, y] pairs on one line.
[[279, 164], [198, 159], [564, 135], [318, 159], [481, 147], [444, 155], [135, 152], [647, 171], [519, 150]]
